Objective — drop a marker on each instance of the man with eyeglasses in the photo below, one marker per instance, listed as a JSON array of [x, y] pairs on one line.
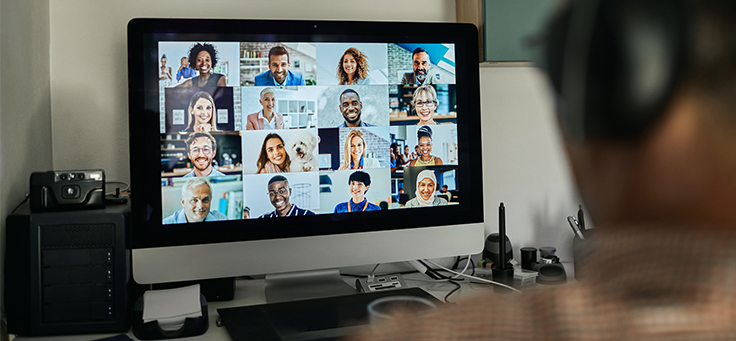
[[201, 149], [279, 193], [351, 107], [196, 198], [421, 66]]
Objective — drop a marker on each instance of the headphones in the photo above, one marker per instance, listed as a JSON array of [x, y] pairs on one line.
[[615, 64]]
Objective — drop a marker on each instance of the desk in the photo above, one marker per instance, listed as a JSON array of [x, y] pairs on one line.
[[252, 292]]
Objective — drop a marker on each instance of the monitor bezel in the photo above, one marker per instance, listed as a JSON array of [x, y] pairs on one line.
[[143, 36]]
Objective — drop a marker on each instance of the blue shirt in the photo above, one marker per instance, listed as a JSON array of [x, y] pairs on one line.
[[180, 218], [185, 72], [214, 172], [293, 212], [292, 78], [343, 206]]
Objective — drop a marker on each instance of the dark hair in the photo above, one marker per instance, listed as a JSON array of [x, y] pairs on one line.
[[164, 56], [263, 157], [348, 91], [361, 176], [424, 131], [195, 98], [277, 51], [278, 178], [198, 134], [196, 49], [361, 60], [418, 50]]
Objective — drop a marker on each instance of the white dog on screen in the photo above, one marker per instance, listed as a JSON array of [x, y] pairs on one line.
[[301, 148]]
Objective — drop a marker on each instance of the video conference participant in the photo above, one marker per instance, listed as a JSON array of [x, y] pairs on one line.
[[184, 71], [196, 198], [202, 113], [351, 107], [273, 157], [203, 57], [201, 150], [164, 75], [267, 118], [424, 135], [359, 183], [425, 102], [421, 66], [278, 70], [355, 151], [353, 68], [426, 185], [279, 193]]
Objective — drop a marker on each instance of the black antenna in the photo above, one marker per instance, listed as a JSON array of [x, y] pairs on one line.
[[502, 272]]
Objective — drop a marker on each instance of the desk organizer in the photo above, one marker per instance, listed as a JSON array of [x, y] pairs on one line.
[[152, 331]]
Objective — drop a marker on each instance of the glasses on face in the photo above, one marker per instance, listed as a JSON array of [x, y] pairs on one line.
[[281, 191], [428, 104], [205, 150]]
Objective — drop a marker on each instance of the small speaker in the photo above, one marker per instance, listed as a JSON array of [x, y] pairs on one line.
[[67, 272]]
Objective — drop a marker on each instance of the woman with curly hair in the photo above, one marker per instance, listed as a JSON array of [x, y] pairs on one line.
[[273, 157], [202, 58], [353, 68]]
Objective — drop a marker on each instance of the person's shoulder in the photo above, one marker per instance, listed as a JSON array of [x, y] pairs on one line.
[[217, 215], [373, 207], [170, 219], [215, 172], [341, 207], [296, 78], [262, 79], [189, 175], [440, 201], [302, 211], [268, 215], [408, 78]]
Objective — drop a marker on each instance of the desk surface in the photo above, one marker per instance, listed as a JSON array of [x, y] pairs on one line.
[[252, 292]]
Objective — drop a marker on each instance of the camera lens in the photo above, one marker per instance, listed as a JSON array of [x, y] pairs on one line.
[[63, 177], [80, 176]]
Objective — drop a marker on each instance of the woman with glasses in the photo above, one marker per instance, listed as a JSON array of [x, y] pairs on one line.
[[425, 102]]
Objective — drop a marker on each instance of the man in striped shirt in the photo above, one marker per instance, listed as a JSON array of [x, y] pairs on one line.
[[279, 193]]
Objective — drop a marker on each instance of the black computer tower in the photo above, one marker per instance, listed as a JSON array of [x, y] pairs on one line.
[[67, 272]]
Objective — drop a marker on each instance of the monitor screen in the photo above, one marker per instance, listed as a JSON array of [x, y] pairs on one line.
[[248, 132]]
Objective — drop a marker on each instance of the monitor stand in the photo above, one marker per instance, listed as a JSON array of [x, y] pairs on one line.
[[294, 286]]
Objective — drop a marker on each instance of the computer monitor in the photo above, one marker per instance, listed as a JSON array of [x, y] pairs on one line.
[[266, 147]]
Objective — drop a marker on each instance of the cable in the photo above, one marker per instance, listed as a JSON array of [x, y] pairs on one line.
[[466, 267], [21, 203], [125, 184], [473, 277]]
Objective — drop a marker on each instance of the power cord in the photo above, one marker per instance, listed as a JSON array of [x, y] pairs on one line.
[[473, 277], [21, 203]]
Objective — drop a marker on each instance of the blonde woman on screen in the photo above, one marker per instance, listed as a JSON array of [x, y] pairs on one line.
[[355, 151]]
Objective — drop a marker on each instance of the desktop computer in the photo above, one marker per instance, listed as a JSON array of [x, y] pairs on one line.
[[224, 156]]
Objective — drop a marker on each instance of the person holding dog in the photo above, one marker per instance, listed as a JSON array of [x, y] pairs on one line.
[[359, 183], [279, 193], [355, 151], [266, 118]]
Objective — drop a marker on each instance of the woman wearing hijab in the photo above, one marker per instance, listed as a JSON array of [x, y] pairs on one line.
[[426, 184]]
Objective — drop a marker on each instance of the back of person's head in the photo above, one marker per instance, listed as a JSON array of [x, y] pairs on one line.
[[645, 91]]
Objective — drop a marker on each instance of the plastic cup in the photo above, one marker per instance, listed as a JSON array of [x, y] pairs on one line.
[[384, 308]]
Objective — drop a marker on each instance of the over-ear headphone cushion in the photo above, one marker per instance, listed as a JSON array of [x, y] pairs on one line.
[[632, 62]]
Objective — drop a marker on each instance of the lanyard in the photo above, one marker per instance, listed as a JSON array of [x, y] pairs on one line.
[[350, 203]]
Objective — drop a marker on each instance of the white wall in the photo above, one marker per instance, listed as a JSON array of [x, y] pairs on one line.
[[25, 112], [89, 94], [524, 164]]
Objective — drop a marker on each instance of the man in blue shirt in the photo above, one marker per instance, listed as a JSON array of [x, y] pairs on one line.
[[278, 73], [201, 150], [184, 72], [351, 108], [279, 193], [196, 198], [359, 183]]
